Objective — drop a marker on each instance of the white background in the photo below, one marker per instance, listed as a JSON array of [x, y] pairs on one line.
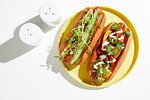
[[22, 76]]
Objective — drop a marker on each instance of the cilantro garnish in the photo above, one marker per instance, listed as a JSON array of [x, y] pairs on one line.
[[59, 57], [108, 48], [100, 79], [96, 61], [127, 33], [120, 45], [99, 71], [105, 61], [115, 53], [104, 70]]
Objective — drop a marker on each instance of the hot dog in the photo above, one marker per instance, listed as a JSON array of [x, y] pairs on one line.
[[83, 36], [109, 52]]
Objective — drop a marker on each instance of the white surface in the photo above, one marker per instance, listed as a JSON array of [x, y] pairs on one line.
[[22, 78], [50, 14], [31, 34]]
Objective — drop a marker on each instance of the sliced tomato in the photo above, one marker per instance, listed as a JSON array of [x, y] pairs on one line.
[[112, 59], [121, 37]]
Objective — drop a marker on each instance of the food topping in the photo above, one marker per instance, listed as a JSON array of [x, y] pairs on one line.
[[109, 51], [121, 38], [115, 26], [113, 40], [81, 35], [104, 44], [127, 33]]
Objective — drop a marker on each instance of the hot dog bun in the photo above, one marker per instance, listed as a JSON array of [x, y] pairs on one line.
[[98, 27], [120, 59]]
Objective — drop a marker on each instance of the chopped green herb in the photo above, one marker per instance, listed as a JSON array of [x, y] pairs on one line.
[[66, 52], [99, 71], [115, 53], [105, 61], [108, 48], [72, 39], [56, 56], [72, 47], [120, 45], [65, 37], [86, 19], [127, 33], [100, 79], [104, 70], [60, 58], [95, 62], [108, 65]]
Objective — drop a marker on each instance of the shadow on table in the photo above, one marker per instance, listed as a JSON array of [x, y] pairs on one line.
[[57, 66], [14, 47]]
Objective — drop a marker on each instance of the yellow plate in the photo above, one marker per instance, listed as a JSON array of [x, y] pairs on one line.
[[79, 73]]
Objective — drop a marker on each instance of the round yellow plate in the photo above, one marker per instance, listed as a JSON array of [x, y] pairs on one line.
[[79, 73]]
